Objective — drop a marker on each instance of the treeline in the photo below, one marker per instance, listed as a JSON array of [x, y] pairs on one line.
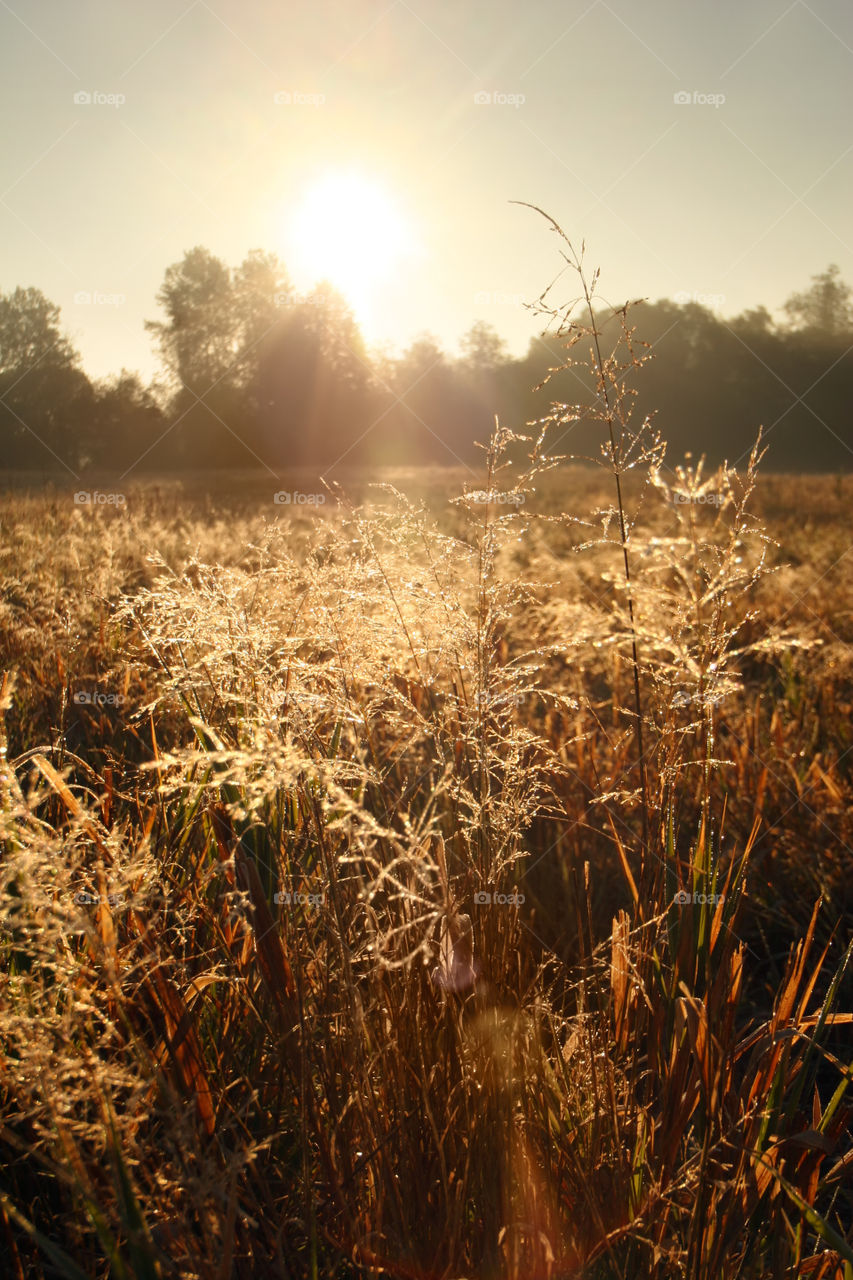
[[256, 373]]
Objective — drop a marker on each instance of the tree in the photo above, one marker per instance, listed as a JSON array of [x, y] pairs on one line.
[[128, 424], [208, 316], [755, 321], [198, 340], [260, 373], [486, 385], [45, 397], [430, 422], [825, 308], [482, 347], [315, 382], [261, 293], [30, 333]]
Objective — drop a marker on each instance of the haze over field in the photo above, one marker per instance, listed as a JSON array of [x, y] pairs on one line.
[[228, 118]]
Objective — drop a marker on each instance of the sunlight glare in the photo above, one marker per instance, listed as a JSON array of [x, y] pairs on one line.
[[348, 230]]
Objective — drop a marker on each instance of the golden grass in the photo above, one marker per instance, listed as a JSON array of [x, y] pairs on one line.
[[343, 934]]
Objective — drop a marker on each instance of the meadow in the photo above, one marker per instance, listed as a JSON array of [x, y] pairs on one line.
[[451, 878]]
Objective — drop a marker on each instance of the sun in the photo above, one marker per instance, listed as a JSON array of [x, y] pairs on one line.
[[349, 230]]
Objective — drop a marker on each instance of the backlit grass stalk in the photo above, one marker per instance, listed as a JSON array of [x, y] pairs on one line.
[[614, 400]]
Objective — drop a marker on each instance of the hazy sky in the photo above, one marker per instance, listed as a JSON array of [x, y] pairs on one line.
[[213, 122]]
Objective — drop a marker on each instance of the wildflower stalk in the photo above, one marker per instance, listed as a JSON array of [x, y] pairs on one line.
[[616, 452]]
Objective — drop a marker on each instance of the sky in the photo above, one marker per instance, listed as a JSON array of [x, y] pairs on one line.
[[699, 150]]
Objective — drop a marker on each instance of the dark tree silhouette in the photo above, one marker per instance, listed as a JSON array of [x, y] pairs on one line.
[[130, 430], [825, 308], [259, 375], [314, 384], [45, 397]]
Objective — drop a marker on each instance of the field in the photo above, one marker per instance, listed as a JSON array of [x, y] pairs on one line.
[[355, 924]]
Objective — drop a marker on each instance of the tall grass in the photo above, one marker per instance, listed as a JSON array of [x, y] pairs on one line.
[[382, 963]]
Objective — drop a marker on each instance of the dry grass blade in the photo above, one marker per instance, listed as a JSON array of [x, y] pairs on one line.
[[182, 1043], [465, 851]]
